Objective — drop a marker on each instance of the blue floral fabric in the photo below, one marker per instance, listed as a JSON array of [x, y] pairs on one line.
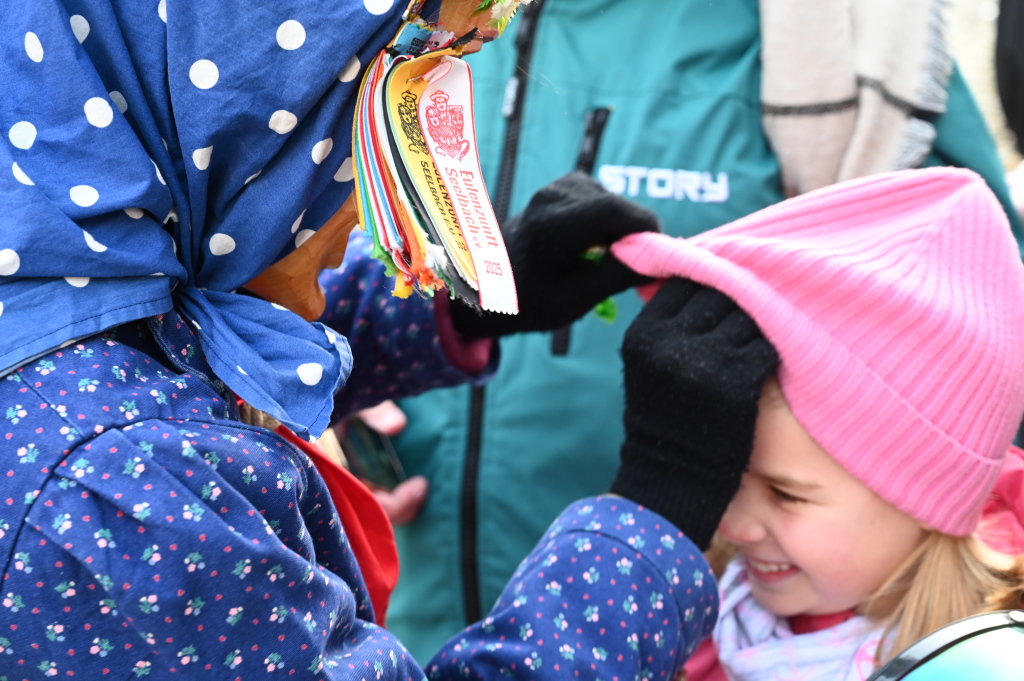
[[145, 532], [157, 154], [612, 591]]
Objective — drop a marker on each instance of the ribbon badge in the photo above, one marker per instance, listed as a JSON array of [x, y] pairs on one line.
[[445, 125]]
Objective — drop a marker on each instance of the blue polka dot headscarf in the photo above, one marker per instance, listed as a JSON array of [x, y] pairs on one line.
[[160, 153]]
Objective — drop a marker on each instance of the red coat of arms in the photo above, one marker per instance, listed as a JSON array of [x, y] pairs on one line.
[[445, 125]]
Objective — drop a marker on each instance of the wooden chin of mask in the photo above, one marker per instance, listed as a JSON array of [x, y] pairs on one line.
[[292, 281]]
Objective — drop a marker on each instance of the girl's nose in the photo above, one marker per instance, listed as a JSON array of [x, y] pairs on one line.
[[740, 524]]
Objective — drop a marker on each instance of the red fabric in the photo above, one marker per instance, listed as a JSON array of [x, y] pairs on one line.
[[808, 624], [704, 665], [366, 525], [468, 355], [647, 291]]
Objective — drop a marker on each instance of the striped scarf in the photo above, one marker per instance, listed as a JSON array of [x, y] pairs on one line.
[[851, 87]]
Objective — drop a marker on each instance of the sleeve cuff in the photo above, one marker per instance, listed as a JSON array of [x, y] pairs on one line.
[[469, 355], [690, 579]]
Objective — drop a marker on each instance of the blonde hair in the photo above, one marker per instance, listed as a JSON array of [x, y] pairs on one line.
[[945, 579]]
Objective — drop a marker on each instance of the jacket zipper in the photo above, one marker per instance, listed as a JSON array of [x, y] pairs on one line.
[[593, 130], [512, 109]]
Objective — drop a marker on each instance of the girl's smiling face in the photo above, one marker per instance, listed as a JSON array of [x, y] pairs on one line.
[[814, 538]]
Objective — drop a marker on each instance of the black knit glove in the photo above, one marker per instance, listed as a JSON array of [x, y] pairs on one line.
[[546, 243], [695, 364]]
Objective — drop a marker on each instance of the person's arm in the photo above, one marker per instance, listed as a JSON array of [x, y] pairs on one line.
[[617, 588], [611, 591], [402, 347]]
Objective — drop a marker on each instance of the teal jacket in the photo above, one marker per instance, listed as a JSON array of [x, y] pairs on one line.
[[683, 138]]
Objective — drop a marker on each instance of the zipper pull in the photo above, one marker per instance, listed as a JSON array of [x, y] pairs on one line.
[[508, 102]]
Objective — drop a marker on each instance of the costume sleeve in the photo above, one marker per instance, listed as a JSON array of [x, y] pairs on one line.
[[168, 558], [962, 139], [613, 591], [396, 345]]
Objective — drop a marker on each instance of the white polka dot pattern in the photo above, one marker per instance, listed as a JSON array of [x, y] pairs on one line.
[[33, 48], [291, 35], [221, 244], [98, 112], [22, 135], [204, 74]]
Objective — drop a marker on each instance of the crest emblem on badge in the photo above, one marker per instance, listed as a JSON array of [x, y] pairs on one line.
[[445, 125]]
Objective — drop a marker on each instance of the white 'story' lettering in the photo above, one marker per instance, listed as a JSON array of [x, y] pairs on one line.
[[665, 183]]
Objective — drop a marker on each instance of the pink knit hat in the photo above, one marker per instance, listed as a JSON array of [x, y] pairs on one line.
[[896, 303]]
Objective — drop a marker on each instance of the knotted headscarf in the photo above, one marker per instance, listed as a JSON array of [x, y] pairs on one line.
[[158, 154]]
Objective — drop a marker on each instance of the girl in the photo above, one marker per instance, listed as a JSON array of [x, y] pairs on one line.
[[895, 304], [844, 569]]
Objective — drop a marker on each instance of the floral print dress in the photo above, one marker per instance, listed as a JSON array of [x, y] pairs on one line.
[[145, 531]]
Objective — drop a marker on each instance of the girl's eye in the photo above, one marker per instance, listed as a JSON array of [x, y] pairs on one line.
[[786, 497]]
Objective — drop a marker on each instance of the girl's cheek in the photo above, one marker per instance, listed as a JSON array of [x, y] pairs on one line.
[[805, 539]]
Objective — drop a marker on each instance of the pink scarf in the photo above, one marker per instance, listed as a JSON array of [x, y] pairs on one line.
[[1002, 517]]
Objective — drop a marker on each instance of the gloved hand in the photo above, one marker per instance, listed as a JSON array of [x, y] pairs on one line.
[[695, 364], [546, 243]]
